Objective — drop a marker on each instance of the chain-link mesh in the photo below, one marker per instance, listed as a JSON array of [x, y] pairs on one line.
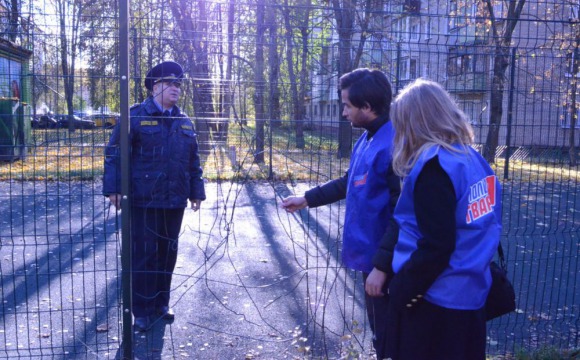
[[253, 281]]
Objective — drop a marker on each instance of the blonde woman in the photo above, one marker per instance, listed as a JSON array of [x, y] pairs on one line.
[[449, 214]]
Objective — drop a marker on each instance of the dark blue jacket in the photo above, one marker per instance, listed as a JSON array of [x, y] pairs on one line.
[[165, 165]]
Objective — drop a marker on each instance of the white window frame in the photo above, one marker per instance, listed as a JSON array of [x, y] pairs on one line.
[[399, 28], [452, 13], [405, 70], [428, 34], [407, 28], [414, 27], [458, 12]]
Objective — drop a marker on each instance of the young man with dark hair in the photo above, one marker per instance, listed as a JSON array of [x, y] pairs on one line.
[[371, 190]]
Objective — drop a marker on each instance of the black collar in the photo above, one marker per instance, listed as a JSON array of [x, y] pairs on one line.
[[376, 124]]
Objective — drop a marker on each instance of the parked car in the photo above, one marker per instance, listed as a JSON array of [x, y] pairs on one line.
[[79, 123], [80, 114], [105, 120], [44, 122]]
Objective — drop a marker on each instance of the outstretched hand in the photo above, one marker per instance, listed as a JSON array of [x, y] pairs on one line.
[[294, 203]]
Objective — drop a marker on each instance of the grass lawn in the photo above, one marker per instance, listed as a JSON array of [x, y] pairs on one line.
[[57, 156]]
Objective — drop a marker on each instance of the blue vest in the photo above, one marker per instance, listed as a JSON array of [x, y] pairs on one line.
[[465, 283], [367, 198]]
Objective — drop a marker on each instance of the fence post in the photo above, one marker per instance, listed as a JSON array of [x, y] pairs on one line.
[[510, 116], [398, 69], [127, 344], [136, 69], [270, 144]]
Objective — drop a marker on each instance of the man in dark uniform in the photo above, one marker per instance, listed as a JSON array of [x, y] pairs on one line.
[[165, 173]]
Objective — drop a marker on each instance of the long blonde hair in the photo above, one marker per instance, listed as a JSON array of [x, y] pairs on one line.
[[425, 115]]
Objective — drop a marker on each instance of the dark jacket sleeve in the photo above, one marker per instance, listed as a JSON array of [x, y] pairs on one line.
[[435, 204], [328, 193], [112, 164], [383, 258]]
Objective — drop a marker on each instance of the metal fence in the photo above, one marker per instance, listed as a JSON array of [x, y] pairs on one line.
[[253, 281]]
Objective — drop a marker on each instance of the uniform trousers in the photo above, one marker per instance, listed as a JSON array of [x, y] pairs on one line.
[[154, 238]]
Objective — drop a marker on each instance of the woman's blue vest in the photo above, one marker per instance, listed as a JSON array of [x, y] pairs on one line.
[[367, 198], [465, 283]]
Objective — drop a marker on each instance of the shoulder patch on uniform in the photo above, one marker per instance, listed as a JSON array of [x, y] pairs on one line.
[[186, 127], [149, 123]]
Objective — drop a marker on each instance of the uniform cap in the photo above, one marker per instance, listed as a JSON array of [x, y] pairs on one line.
[[166, 71]]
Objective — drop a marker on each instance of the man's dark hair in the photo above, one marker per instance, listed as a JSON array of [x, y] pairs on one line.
[[370, 87]]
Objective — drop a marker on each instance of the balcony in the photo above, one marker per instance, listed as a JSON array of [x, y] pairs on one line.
[[470, 82]]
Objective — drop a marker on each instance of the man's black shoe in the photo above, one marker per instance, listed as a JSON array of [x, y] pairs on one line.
[[142, 324], [166, 313]]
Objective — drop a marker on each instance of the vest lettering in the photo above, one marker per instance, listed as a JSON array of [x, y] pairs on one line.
[[483, 209]]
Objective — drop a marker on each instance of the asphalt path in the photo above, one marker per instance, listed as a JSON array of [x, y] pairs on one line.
[[252, 282]]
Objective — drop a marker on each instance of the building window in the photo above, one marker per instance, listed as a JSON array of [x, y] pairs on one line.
[[459, 11], [453, 14], [474, 110], [459, 65], [408, 69], [574, 12], [315, 110], [571, 62], [412, 6], [428, 28], [407, 28], [333, 109], [324, 64], [461, 62], [328, 110], [414, 27]]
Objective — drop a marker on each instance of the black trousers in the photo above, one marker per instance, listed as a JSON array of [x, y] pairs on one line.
[[377, 308], [154, 234], [431, 332]]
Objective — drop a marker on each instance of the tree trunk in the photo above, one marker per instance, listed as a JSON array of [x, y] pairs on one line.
[[501, 62], [299, 106], [67, 69], [14, 17], [345, 23], [259, 83], [274, 67], [227, 88], [195, 49], [573, 105], [297, 88]]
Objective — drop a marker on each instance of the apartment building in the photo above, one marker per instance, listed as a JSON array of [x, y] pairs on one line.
[[453, 42]]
